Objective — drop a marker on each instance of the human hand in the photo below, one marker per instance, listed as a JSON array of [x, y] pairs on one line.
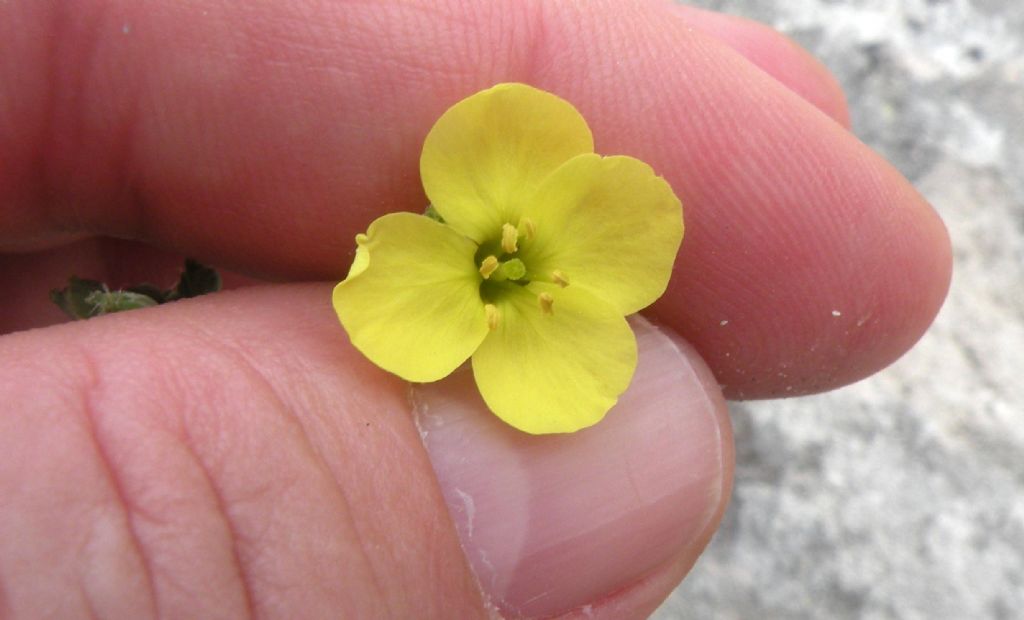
[[233, 455]]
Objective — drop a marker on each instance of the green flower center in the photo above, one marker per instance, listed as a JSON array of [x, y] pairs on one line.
[[502, 267]]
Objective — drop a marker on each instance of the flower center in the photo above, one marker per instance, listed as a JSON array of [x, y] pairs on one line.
[[501, 267], [500, 262]]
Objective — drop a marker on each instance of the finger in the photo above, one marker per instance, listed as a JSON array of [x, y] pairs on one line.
[[226, 137], [233, 455], [777, 55]]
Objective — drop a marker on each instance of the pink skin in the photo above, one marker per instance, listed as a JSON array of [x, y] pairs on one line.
[[234, 455]]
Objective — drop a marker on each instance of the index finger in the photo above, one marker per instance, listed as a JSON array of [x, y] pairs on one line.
[[265, 137]]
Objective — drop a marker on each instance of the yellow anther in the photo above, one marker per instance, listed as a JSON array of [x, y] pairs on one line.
[[361, 238], [529, 229], [546, 302], [493, 316], [558, 277], [509, 238], [488, 266]]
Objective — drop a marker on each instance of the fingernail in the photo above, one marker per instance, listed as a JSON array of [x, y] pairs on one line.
[[553, 523]]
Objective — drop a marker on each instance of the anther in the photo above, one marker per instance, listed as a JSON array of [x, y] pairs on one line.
[[546, 303], [493, 316], [361, 239], [488, 266], [509, 238], [529, 229], [558, 277]]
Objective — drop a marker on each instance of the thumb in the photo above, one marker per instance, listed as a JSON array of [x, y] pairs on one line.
[[233, 456], [608, 519]]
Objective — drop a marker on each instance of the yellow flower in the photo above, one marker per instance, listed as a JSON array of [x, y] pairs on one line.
[[544, 249]]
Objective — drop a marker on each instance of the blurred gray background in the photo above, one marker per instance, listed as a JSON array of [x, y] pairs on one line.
[[901, 496]]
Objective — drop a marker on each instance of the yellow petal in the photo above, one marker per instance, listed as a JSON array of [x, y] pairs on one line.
[[413, 306], [491, 150], [554, 370], [609, 225], [361, 260]]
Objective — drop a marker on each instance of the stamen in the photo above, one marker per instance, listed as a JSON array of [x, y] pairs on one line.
[[559, 278], [488, 266], [361, 239], [509, 238], [493, 316], [528, 228], [546, 303]]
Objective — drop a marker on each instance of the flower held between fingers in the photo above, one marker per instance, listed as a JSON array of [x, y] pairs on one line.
[[544, 249]]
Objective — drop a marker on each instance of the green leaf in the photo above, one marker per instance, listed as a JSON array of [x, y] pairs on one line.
[[149, 290], [197, 279], [73, 299], [83, 299], [109, 302]]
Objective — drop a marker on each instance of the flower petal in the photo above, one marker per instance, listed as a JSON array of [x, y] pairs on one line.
[[609, 225], [411, 304], [491, 150], [361, 260], [554, 372]]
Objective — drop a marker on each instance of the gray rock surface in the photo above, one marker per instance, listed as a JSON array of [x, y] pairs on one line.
[[901, 496]]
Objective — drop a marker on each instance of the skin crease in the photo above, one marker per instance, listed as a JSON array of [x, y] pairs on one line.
[[162, 123]]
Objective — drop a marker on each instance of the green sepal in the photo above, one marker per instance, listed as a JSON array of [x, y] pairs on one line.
[[433, 214]]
